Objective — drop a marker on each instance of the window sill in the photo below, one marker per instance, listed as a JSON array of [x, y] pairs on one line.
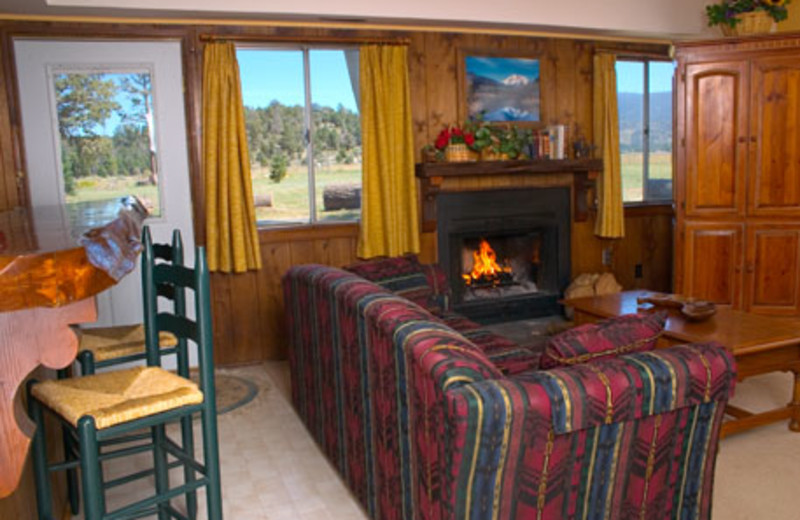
[[658, 207], [318, 230]]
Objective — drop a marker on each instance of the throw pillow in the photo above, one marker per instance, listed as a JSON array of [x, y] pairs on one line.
[[402, 275], [609, 338]]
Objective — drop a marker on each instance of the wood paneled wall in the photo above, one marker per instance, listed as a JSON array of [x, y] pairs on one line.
[[10, 194], [647, 242], [248, 309], [565, 69], [566, 93]]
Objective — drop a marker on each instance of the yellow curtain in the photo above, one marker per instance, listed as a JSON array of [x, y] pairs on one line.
[[610, 218], [231, 234], [389, 224]]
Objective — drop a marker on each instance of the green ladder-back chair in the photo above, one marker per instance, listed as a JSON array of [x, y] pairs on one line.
[[103, 347], [129, 400], [110, 346]]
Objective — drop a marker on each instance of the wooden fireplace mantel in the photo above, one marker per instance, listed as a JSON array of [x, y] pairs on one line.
[[482, 175]]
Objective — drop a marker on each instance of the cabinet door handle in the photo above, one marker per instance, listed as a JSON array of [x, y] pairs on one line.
[[737, 269], [742, 139], [753, 139], [750, 268]]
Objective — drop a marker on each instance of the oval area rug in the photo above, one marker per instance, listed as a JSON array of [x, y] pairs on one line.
[[232, 391]]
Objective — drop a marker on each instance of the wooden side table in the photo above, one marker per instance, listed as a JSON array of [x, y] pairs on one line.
[[760, 344]]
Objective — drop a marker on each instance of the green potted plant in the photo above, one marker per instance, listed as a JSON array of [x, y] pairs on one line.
[[746, 16], [513, 142]]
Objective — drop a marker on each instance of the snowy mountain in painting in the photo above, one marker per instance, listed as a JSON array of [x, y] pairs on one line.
[[516, 80]]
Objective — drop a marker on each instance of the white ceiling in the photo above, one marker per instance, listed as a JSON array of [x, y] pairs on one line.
[[649, 18]]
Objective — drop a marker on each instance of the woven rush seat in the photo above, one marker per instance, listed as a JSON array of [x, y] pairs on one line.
[[119, 341], [116, 397]]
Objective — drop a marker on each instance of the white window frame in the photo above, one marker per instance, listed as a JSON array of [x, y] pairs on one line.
[[646, 197], [307, 130]]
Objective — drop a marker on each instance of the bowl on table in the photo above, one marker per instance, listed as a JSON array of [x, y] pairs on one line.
[[698, 310]]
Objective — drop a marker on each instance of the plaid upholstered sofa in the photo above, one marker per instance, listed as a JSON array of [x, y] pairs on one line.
[[421, 423]]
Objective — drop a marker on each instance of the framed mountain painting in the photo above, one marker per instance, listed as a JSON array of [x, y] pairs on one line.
[[501, 89]]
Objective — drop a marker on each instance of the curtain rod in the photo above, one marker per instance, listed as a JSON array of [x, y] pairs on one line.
[[265, 38], [634, 53]]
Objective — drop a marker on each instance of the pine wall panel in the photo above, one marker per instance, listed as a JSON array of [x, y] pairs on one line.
[[248, 308]]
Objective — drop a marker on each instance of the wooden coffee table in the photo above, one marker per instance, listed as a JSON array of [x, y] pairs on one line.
[[760, 344]]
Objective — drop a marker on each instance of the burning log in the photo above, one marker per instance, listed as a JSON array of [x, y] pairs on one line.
[[486, 272]]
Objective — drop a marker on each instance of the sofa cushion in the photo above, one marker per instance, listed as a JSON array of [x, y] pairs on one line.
[[458, 322], [506, 355], [402, 275], [609, 338]]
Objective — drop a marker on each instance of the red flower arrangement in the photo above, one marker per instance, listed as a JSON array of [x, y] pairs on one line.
[[454, 135]]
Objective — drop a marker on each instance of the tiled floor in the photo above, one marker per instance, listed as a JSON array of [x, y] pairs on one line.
[[272, 470]]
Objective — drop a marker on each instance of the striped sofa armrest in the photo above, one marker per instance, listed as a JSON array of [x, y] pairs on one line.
[[636, 435]]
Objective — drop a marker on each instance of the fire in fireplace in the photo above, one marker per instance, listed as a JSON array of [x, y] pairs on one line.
[[486, 272], [506, 252], [516, 272]]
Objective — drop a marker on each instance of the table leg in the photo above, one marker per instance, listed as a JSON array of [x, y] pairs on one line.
[[29, 338]]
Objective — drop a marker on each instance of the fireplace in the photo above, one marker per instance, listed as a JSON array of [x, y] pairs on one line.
[[506, 252]]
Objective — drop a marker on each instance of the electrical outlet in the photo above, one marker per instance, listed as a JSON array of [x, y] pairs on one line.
[[637, 271], [608, 254]]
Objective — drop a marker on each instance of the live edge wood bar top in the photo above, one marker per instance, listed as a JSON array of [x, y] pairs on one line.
[[51, 266], [47, 260], [760, 344]]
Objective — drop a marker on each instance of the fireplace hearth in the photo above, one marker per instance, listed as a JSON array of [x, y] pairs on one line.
[[506, 252]]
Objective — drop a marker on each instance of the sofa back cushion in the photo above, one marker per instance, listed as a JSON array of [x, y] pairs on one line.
[[406, 277], [608, 338]]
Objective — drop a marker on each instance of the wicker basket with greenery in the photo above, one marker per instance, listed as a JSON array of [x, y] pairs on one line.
[[742, 17]]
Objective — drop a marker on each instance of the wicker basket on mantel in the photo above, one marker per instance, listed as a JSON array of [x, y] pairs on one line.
[[459, 152], [754, 22]]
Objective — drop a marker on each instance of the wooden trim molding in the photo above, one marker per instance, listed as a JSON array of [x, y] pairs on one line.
[[642, 210], [311, 232], [484, 30]]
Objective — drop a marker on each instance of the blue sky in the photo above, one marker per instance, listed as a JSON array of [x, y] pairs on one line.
[[122, 97], [630, 76], [278, 75], [500, 68]]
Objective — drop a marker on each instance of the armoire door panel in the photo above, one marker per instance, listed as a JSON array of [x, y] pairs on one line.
[[712, 262], [774, 171], [716, 138], [773, 268]]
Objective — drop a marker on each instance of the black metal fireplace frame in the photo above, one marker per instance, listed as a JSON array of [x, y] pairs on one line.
[[507, 212]]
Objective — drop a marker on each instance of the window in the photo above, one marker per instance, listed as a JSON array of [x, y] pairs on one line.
[[106, 132], [644, 95], [303, 133]]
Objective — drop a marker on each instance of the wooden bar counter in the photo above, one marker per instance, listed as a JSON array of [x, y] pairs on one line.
[[51, 266]]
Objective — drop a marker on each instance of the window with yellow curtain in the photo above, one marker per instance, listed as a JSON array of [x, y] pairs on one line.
[[303, 132], [644, 99]]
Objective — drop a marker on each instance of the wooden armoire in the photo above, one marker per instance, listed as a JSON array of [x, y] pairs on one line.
[[737, 159]]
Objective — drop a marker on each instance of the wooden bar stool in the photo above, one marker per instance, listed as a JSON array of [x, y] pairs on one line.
[[100, 409], [106, 347], [109, 346]]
